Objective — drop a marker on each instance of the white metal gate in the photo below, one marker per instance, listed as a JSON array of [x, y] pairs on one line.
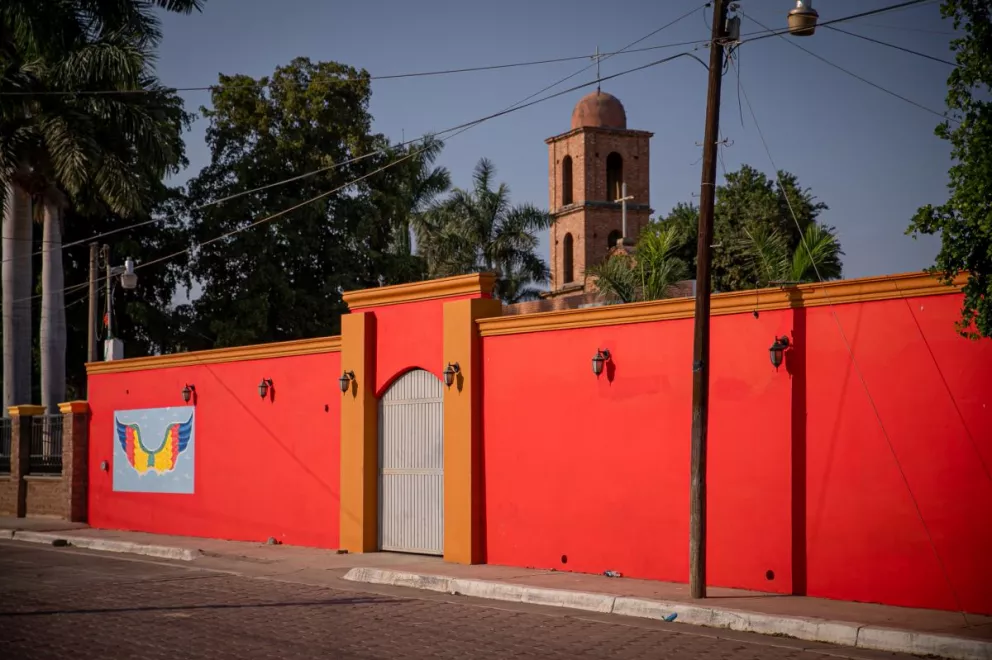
[[411, 465]]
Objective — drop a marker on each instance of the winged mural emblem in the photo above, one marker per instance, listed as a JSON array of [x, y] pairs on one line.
[[161, 459]]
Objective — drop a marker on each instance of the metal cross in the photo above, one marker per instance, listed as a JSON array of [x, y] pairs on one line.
[[624, 198], [597, 58]]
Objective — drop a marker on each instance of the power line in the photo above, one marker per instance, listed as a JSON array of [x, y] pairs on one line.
[[768, 32], [628, 50], [792, 42], [850, 350], [457, 131], [888, 45], [395, 76], [909, 29], [454, 129]]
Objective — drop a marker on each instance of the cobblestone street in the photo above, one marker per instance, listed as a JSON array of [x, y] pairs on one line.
[[67, 604]]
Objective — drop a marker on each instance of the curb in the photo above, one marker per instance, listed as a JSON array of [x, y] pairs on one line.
[[103, 545], [842, 633]]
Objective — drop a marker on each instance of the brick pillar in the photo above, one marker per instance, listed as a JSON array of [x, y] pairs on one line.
[[20, 450], [75, 457]]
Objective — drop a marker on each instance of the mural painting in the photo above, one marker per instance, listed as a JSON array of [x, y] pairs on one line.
[[155, 450]]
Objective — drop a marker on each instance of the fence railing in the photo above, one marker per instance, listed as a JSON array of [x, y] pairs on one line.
[[46, 445], [5, 442]]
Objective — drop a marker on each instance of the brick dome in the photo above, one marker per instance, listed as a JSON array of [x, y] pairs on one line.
[[599, 110]]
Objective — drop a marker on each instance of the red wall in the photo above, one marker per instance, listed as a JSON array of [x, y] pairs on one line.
[[931, 388], [263, 468], [591, 474], [805, 495], [409, 336]]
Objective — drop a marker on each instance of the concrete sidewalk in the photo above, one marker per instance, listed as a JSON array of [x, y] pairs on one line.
[[861, 625]]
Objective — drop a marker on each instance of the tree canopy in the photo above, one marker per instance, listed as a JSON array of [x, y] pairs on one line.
[[757, 241], [266, 278], [964, 221]]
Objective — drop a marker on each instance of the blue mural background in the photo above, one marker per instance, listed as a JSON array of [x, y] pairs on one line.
[[152, 424]]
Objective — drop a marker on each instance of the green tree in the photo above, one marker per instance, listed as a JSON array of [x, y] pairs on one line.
[[753, 220], [279, 279], [91, 153], [481, 230], [965, 219], [650, 272], [817, 257]]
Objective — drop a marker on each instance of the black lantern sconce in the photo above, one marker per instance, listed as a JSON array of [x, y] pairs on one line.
[[777, 351], [263, 388], [188, 392], [450, 371], [345, 381], [598, 360]]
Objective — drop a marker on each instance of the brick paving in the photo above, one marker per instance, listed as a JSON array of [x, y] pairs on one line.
[[66, 604]]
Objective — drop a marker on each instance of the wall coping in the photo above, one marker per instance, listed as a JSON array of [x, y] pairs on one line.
[[864, 289], [26, 411], [461, 285], [219, 355], [74, 407]]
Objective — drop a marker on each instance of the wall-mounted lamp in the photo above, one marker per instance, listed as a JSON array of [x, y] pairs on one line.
[[263, 388], [598, 360], [450, 371], [345, 381], [777, 351], [188, 392]]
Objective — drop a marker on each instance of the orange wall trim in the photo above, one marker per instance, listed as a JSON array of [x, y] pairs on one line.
[[219, 355], [866, 289], [74, 407], [25, 411], [449, 287]]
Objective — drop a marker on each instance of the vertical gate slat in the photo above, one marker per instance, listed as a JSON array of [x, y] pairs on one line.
[[411, 465]]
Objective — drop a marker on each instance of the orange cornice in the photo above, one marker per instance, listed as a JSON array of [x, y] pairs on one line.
[[805, 295], [462, 285], [219, 355]]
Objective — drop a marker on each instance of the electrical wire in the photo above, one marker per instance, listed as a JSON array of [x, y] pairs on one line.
[[454, 129], [852, 74], [909, 29], [888, 45], [850, 351], [491, 67], [397, 76], [768, 32]]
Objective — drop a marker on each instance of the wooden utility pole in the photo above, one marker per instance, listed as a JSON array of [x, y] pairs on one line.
[[701, 342], [91, 334]]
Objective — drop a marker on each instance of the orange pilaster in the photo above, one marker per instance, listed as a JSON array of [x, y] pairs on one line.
[[463, 496], [359, 435]]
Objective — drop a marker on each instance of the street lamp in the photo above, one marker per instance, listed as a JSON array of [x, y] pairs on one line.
[[113, 347], [802, 19]]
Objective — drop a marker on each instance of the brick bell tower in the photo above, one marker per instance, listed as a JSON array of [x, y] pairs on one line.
[[587, 167]]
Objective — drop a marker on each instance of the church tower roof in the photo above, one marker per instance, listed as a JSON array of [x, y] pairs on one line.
[[599, 110]]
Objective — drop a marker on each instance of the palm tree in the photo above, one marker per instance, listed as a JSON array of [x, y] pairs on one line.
[[480, 230], [817, 256], [89, 151], [421, 183], [650, 273]]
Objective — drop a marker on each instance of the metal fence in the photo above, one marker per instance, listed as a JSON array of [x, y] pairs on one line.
[[46, 445], [5, 429]]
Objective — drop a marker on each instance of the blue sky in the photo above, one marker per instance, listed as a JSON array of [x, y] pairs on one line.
[[871, 157]]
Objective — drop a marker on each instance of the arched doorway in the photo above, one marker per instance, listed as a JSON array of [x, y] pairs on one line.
[[411, 465]]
